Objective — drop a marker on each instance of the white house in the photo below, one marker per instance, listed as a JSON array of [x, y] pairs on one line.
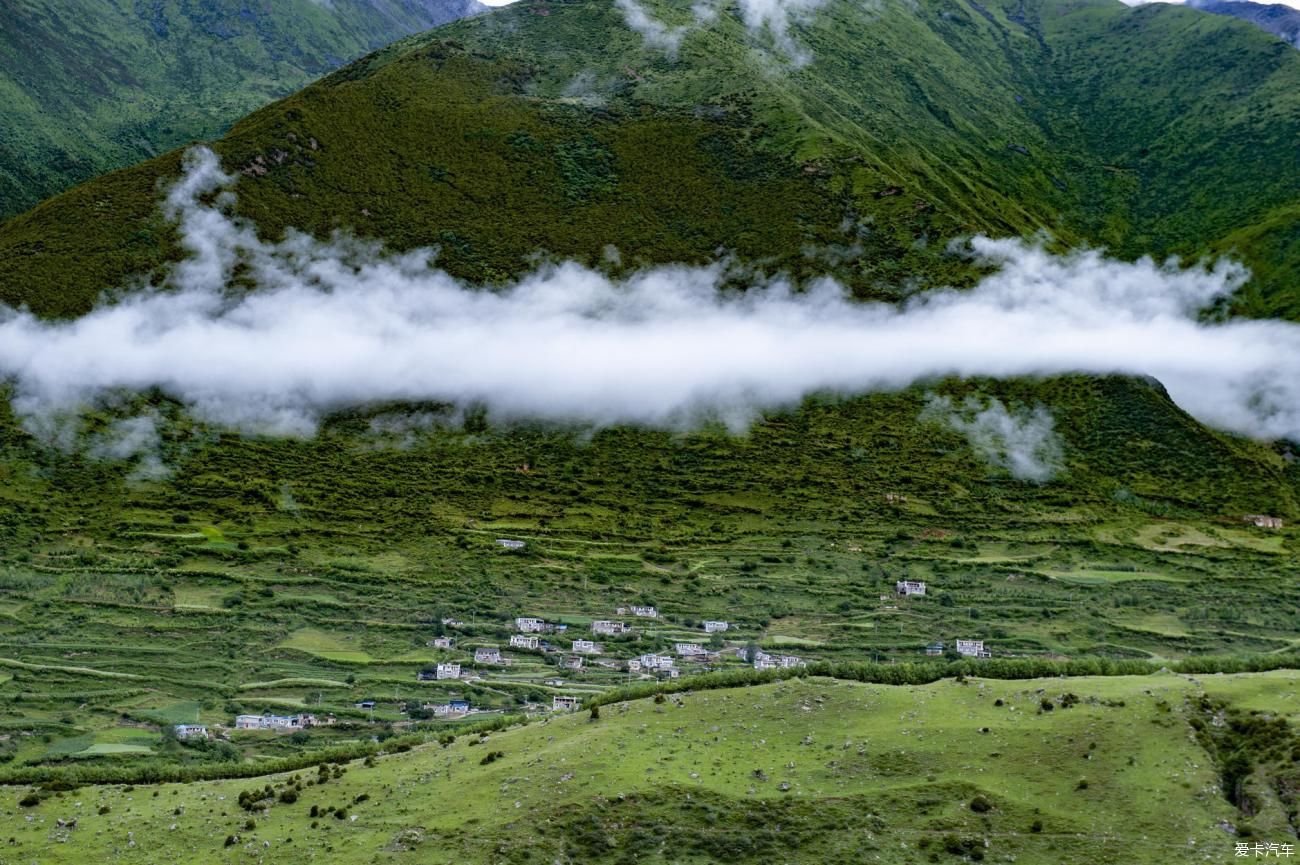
[[687, 649], [442, 643], [524, 641], [608, 628], [449, 709], [909, 587], [973, 649], [273, 722], [449, 670], [656, 662], [1263, 521], [527, 625], [587, 647], [453, 622], [712, 627], [934, 649], [645, 612], [573, 662], [487, 655], [764, 661], [508, 544], [564, 703], [191, 731], [634, 665]]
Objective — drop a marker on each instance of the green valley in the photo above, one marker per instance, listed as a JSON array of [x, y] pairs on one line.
[[1039, 609]]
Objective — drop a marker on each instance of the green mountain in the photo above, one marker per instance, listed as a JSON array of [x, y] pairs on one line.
[[88, 87], [1277, 18], [172, 572], [1150, 130]]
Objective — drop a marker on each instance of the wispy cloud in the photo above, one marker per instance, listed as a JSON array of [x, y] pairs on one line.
[[1022, 441], [341, 323], [769, 22]]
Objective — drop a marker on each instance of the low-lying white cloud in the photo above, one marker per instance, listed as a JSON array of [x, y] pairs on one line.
[[1022, 441], [341, 323]]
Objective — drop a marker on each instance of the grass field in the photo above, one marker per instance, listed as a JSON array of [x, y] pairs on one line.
[[803, 770]]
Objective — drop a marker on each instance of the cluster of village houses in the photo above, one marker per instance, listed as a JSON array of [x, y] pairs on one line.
[[268, 721], [582, 649]]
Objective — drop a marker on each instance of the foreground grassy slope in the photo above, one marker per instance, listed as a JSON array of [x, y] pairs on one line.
[[911, 124], [805, 770], [92, 86]]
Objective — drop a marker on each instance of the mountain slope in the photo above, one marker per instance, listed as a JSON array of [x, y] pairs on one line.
[[89, 87], [1280, 20], [1100, 123], [813, 770]]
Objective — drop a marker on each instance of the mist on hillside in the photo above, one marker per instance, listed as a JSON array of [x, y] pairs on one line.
[[768, 21], [343, 323]]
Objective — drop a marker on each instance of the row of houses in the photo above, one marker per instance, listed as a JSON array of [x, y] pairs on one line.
[[764, 661], [281, 723], [639, 612], [449, 709], [965, 648]]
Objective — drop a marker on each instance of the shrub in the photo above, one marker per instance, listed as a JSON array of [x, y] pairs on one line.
[[980, 805], [31, 800]]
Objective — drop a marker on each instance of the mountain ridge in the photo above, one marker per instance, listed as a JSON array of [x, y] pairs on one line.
[[963, 131], [93, 87]]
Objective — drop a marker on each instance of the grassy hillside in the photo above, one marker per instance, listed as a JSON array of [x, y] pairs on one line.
[[804, 770], [93, 86], [1150, 130]]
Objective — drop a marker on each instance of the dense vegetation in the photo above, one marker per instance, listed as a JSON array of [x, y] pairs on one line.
[[1150, 130], [88, 87]]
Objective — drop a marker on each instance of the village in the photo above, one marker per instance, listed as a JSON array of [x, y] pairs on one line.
[[574, 662]]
